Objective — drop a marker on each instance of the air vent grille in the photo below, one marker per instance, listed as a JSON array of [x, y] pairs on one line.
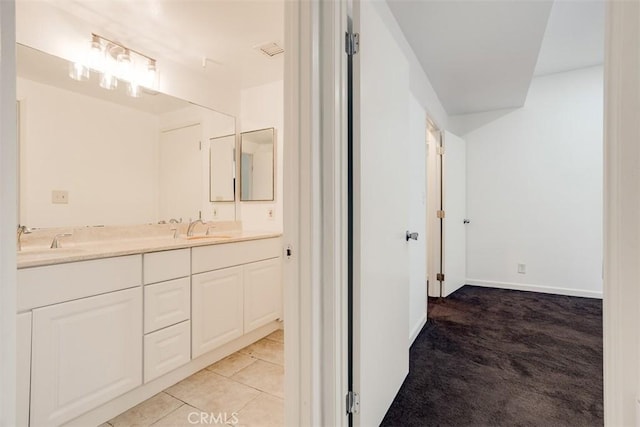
[[271, 49]]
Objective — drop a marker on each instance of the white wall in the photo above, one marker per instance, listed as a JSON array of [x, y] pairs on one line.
[[263, 107], [534, 189], [103, 154]]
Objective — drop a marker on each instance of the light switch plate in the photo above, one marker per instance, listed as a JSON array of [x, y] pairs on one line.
[[60, 197]]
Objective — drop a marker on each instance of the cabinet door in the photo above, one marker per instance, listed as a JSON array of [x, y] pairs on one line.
[[262, 293], [85, 353], [216, 309]]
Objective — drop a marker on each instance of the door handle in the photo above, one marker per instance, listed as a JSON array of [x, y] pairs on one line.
[[412, 236], [466, 221]]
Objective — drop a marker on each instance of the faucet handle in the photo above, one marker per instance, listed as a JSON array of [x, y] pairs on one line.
[[54, 243]]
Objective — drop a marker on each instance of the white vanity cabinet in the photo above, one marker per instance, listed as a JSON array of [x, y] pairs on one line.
[[262, 293], [85, 353], [217, 304], [242, 292], [167, 311]]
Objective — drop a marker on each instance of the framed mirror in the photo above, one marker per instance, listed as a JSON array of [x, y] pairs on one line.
[[222, 169], [90, 156], [257, 167]]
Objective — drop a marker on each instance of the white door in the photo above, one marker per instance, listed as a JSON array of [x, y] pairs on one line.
[[216, 309], [381, 204], [180, 174], [455, 208], [262, 293], [416, 162], [85, 353]]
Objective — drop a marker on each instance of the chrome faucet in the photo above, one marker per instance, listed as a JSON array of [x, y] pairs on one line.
[[22, 229], [55, 244], [192, 225]]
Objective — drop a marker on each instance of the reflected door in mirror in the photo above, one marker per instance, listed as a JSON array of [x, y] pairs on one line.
[[222, 169]]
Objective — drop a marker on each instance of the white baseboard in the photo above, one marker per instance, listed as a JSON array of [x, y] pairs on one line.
[[536, 288], [417, 328]]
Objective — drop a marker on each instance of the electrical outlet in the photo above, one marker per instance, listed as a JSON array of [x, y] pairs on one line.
[[60, 197], [522, 268], [270, 213], [215, 212]]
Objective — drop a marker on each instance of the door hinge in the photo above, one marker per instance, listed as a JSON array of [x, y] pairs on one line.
[[353, 403], [352, 43], [440, 150], [440, 214], [440, 277]]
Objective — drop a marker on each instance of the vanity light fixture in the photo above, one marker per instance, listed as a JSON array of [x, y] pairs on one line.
[[114, 61]]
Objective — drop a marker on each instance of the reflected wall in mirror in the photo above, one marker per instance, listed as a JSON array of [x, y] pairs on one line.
[[222, 169], [120, 160], [257, 165]]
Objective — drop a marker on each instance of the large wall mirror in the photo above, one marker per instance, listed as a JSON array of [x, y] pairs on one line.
[[257, 165], [90, 156], [222, 169]]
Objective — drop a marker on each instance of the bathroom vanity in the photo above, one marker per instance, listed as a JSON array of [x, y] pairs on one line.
[[103, 327]]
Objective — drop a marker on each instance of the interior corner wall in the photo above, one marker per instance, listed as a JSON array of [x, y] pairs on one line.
[[263, 107], [535, 190]]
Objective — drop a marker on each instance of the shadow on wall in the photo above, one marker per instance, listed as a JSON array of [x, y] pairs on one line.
[[464, 123]]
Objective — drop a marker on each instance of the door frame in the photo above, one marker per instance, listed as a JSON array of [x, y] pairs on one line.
[[315, 216], [8, 212]]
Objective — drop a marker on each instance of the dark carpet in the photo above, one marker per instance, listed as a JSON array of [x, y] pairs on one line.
[[493, 357]]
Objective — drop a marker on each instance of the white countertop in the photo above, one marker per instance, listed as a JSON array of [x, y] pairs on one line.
[[39, 256]]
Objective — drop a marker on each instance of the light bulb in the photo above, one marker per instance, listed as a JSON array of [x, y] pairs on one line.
[[78, 71], [150, 77], [123, 69], [108, 81], [133, 90], [96, 55]]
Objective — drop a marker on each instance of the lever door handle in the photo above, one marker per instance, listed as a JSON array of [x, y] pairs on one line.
[[466, 221], [412, 236]]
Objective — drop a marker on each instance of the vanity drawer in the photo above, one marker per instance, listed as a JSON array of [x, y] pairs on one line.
[[166, 350], [166, 304], [214, 257], [52, 284], [166, 265]]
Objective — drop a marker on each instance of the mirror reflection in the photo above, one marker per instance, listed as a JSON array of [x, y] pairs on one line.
[[257, 165], [90, 156], [222, 169]]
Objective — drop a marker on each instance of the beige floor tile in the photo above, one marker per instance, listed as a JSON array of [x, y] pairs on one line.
[[277, 336], [185, 416], [266, 349], [264, 376], [211, 392], [232, 364], [263, 411], [147, 412]]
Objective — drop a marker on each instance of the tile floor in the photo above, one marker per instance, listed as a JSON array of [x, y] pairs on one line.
[[249, 383]]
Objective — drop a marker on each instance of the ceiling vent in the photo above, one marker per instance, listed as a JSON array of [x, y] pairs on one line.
[[270, 49]]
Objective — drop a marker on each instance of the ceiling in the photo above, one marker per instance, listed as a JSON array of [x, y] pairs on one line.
[[481, 55], [225, 32], [574, 37]]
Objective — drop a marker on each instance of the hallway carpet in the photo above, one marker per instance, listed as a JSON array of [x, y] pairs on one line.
[[493, 357]]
